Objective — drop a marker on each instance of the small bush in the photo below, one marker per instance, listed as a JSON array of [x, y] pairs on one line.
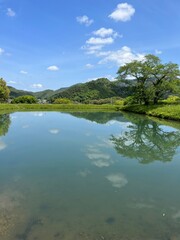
[[130, 100], [101, 101], [25, 99], [62, 101], [172, 99], [119, 102]]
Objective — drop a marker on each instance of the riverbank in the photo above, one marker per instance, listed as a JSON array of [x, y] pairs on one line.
[[165, 111], [59, 107]]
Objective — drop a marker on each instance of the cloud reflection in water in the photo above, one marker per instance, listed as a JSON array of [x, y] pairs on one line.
[[54, 131], [98, 157], [118, 180], [2, 145]]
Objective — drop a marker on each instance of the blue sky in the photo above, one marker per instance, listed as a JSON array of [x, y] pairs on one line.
[[58, 43]]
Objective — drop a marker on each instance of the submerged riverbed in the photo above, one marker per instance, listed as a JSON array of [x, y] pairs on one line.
[[89, 176]]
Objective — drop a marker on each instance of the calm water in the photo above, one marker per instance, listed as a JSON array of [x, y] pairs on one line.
[[96, 176]]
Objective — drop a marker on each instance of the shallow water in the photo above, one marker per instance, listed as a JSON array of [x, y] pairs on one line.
[[89, 176]]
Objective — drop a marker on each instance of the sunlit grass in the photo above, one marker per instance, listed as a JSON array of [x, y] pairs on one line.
[[166, 111], [60, 107]]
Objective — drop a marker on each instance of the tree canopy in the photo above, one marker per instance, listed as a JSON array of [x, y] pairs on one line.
[[152, 79], [4, 91]]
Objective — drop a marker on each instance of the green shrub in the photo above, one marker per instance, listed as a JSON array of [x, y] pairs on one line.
[[130, 100], [119, 102], [101, 101], [172, 99], [62, 101], [25, 99]]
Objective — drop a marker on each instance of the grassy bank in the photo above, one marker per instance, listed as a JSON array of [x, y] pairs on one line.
[[166, 111], [58, 107]]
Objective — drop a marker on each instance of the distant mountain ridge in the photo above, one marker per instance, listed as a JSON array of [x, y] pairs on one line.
[[45, 94], [93, 90]]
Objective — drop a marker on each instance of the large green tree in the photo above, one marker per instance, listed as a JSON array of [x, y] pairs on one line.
[[152, 79], [4, 91]]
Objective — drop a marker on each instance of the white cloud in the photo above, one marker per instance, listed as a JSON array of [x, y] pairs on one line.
[[100, 41], [122, 56], [84, 20], [2, 145], [23, 72], [1, 51], [53, 68], [118, 180], [103, 53], [10, 13], [25, 126], [103, 32], [104, 37], [158, 52], [92, 49], [54, 131], [37, 85], [89, 66], [123, 12], [110, 77], [11, 82]]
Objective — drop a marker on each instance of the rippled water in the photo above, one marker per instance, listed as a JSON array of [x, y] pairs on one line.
[[80, 176]]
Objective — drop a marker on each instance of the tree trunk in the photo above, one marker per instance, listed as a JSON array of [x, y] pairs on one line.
[[155, 101]]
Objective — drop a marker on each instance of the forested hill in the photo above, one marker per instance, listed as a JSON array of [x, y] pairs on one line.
[[46, 94], [16, 93], [96, 89]]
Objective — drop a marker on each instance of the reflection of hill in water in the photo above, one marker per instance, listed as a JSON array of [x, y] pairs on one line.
[[147, 141], [105, 117], [100, 117], [5, 122]]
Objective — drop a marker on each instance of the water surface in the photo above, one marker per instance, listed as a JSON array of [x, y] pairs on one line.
[[88, 176]]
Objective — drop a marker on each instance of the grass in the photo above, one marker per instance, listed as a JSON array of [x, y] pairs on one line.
[[60, 107], [164, 111]]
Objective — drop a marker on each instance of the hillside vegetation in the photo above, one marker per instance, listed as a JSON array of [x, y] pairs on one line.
[[84, 92], [97, 89], [46, 94]]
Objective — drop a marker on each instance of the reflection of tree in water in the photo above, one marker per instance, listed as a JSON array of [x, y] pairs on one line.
[[147, 141], [4, 123]]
